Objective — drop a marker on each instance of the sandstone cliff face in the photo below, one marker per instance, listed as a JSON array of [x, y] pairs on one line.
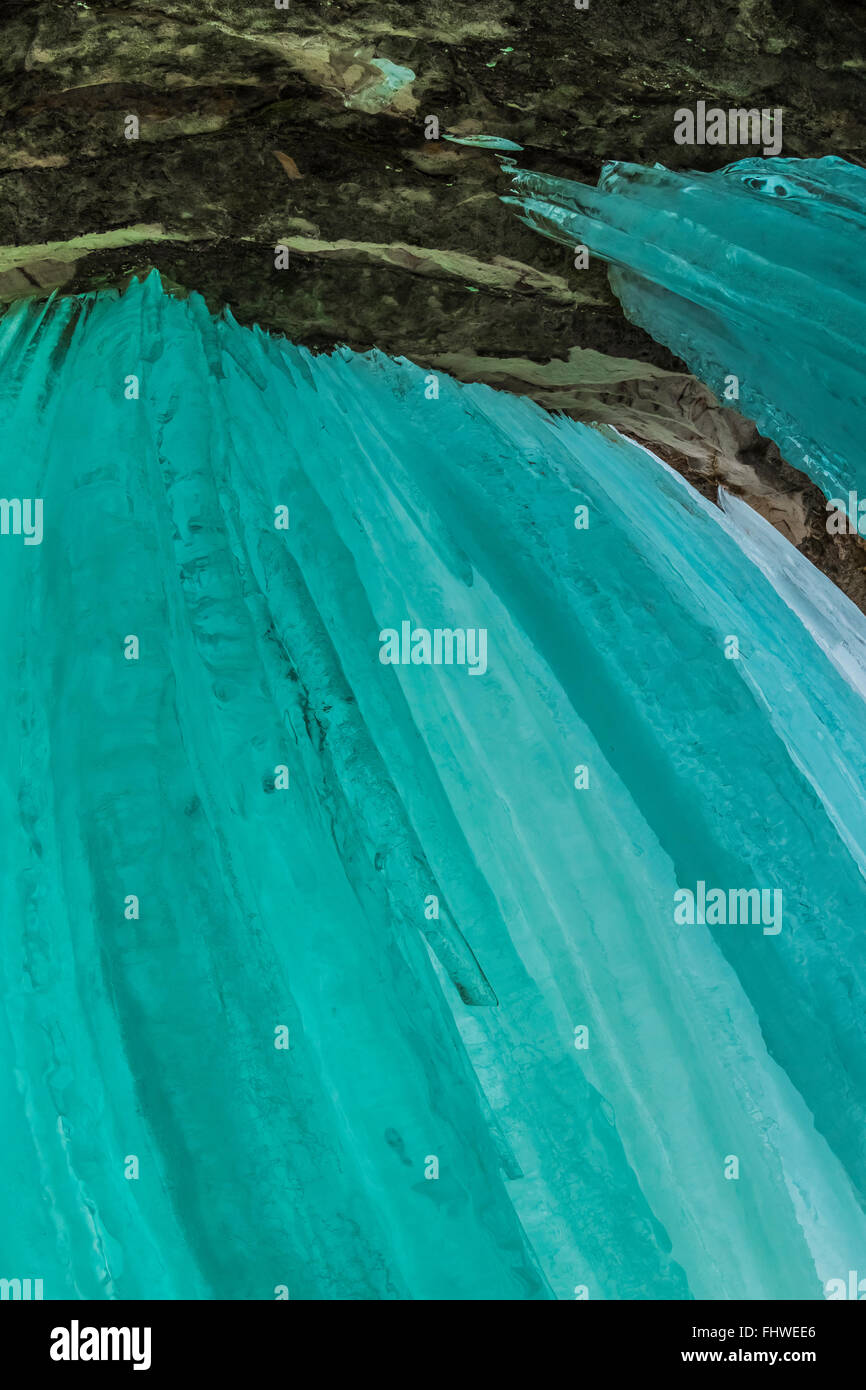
[[305, 126]]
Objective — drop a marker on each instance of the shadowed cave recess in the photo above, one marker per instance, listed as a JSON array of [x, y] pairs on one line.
[[417, 629]]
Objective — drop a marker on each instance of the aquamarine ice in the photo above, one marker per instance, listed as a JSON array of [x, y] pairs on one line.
[[753, 274], [451, 894]]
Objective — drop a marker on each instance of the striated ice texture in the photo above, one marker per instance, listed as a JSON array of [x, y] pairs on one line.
[[262, 907], [754, 271]]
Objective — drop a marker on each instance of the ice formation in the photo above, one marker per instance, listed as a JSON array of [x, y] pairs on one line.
[[359, 979], [753, 274]]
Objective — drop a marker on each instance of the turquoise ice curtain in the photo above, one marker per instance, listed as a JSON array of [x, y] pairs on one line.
[[753, 274], [331, 969]]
